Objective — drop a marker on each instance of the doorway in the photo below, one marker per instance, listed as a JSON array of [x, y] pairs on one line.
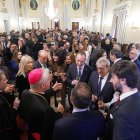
[[7, 26], [75, 26], [56, 23]]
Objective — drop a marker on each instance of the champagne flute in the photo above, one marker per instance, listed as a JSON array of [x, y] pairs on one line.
[[58, 98], [16, 93], [101, 104], [77, 78]]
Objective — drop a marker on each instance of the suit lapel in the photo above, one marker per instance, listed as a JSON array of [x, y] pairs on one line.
[[74, 71], [84, 71], [107, 84], [128, 99]]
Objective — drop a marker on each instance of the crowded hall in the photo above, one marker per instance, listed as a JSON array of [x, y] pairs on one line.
[[69, 70]]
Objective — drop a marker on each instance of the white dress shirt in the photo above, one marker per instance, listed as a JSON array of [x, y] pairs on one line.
[[103, 81], [127, 94], [79, 110]]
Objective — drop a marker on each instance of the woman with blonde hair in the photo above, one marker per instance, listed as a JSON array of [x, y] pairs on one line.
[[26, 65]]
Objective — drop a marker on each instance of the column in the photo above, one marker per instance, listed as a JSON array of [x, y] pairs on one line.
[[103, 14], [65, 16], [16, 10]]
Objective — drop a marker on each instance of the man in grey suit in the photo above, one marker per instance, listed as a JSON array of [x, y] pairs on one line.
[[99, 81], [124, 116]]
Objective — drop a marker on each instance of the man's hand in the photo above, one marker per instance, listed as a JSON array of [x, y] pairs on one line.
[[94, 98], [57, 86], [74, 82]]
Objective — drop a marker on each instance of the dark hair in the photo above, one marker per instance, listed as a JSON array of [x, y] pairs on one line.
[[130, 46], [117, 53], [114, 39], [82, 95], [95, 42], [127, 70], [61, 57], [49, 45]]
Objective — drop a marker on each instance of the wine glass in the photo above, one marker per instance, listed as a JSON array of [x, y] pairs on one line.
[[58, 98], [77, 78], [101, 104], [16, 93]]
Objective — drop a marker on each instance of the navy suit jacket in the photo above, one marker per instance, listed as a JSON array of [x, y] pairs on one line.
[[107, 91], [84, 125], [124, 119], [72, 72]]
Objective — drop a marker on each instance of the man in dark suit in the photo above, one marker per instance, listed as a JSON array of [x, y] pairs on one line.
[[115, 55], [103, 77], [81, 124], [134, 57], [8, 129], [42, 60], [124, 117], [78, 72]]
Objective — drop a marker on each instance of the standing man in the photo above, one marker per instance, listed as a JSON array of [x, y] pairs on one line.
[[78, 72], [42, 60], [124, 117], [115, 55], [8, 130], [34, 108], [100, 81], [81, 124]]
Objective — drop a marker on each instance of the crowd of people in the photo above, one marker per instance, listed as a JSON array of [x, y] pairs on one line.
[[68, 85]]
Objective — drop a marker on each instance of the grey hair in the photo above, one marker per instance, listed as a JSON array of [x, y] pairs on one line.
[[42, 51], [44, 78], [103, 60]]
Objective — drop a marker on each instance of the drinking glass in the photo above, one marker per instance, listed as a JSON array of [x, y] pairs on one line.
[[78, 78], [101, 104], [58, 98], [16, 93]]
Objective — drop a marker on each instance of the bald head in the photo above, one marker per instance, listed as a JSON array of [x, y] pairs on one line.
[[42, 56]]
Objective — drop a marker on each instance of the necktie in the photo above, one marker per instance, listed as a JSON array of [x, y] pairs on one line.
[[79, 72], [100, 85]]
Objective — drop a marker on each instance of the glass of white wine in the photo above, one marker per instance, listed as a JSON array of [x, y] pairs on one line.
[[101, 104], [58, 98], [78, 78], [16, 93]]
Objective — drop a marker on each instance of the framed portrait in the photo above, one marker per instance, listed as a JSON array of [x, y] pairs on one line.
[[75, 4], [33, 4]]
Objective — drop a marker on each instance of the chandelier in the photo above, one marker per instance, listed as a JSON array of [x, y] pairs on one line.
[[51, 12]]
